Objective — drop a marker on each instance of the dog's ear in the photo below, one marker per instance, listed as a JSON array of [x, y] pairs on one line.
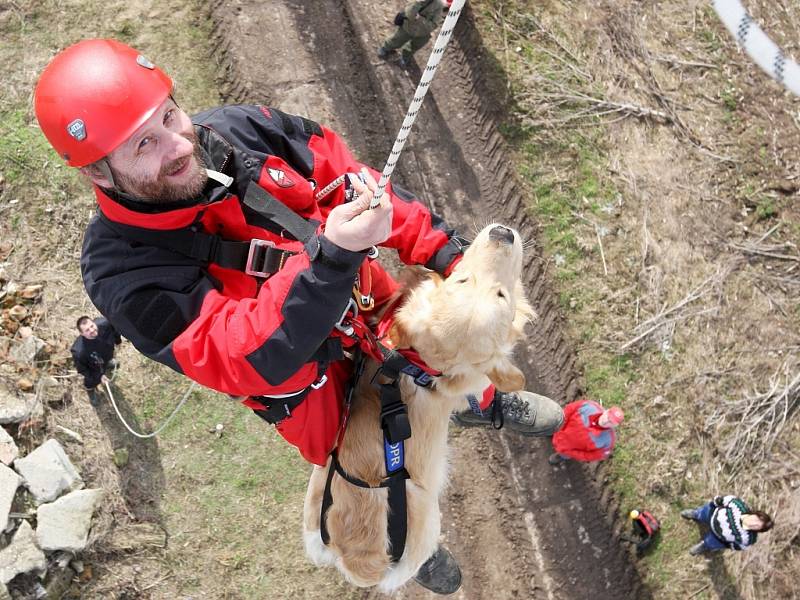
[[506, 377]]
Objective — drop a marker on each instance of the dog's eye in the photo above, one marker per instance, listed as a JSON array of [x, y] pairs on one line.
[[462, 280], [501, 294]]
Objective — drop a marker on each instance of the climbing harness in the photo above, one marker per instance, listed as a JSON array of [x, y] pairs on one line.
[[752, 39], [145, 436]]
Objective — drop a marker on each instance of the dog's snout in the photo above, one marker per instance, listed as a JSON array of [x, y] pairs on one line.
[[499, 233]]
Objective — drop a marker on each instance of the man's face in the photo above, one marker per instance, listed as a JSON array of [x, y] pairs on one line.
[[161, 161], [88, 329], [604, 421]]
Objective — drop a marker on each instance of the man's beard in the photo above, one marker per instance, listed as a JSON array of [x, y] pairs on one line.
[[161, 190]]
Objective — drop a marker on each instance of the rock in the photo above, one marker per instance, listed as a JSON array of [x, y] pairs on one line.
[[24, 384], [22, 555], [8, 448], [24, 332], [31, 292], [14, 408], [9, 481], [51, 391], [120, 457], [10, 290], [27, 350], [18, 312], [72, 435], [3, 275], [47, 472], [65, 523], [4, 595]]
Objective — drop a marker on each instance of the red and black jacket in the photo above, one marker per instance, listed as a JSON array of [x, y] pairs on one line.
[[225, 329]]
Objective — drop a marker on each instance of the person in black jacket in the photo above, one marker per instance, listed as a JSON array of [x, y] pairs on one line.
[[93, 353]]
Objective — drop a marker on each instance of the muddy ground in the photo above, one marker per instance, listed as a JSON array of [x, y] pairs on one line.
[[519, 527]]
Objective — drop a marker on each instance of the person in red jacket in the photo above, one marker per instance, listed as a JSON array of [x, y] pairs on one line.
[[224, 248], [587, 433]]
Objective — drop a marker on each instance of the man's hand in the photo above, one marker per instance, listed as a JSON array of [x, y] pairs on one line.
[[356, 227], [104, 379]]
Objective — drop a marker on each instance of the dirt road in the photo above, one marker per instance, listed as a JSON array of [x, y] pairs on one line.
[[519, 527]]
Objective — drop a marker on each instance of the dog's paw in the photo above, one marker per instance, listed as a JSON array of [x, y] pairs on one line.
[[317, 552]]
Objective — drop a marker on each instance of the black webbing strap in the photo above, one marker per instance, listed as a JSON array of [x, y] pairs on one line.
[[397, 513], [394, 416], [277, 409], [260, 259], [267, 206], [208, 249]]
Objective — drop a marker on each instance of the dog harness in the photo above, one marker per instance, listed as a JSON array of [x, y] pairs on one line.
[[394, 424]]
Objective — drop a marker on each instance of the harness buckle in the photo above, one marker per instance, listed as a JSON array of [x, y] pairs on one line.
[[347, 328], [257, 258], [320, 383]]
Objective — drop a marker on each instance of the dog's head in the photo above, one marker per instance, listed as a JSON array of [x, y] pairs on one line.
[[467, 325]]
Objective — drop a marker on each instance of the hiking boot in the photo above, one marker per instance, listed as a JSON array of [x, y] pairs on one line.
[[556, 459], [524, 412], [94, 399], [383, 53], [440, 573], [688, 514], [698, 548]]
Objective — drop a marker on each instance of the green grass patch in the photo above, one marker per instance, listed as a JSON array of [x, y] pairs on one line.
[[766, 209]]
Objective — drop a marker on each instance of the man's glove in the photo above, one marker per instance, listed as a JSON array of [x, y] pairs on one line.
[[399, 18]]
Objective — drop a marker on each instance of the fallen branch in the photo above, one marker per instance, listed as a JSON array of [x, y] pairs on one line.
[[653, 323], [757, 420], [640, 337]]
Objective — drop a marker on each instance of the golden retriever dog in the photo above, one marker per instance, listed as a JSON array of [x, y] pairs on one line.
[[465, 326]]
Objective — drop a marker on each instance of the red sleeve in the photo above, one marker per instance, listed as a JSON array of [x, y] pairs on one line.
[[417, 234]]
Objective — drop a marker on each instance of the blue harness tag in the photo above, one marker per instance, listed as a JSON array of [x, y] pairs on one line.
[[393, 454], [474, 404]]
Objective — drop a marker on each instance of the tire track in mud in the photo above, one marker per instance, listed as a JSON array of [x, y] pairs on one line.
[[519, 527]]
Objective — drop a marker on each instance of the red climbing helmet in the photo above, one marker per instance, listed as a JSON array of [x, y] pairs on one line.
[[94, 95]]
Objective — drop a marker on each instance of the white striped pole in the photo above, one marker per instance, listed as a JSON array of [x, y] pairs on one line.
[[758, 46]]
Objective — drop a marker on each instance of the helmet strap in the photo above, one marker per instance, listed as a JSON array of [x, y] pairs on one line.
[[105, 169]]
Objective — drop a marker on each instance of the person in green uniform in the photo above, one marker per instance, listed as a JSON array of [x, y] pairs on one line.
[[414, 27]]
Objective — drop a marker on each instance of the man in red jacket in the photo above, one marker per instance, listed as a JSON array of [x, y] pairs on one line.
[[587, 433], [222, 249]]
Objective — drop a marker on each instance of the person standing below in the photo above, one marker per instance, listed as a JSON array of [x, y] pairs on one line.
[[731, 524], [587, 433], [414, 27], [93, 353]]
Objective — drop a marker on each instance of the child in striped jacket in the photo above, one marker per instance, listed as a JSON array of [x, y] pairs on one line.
[[731, 524]]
